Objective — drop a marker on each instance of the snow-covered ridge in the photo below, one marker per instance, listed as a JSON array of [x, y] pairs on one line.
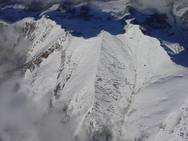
[[103, 88], [93, 82]]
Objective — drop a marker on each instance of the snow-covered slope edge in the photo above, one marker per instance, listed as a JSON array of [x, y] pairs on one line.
[[96, 82]]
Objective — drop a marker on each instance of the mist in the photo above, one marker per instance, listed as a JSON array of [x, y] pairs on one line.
[[20, 118], [16, 110]]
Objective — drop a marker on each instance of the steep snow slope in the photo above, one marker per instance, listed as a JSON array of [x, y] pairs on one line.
[[108, 86], [121, 87], [159, 111]]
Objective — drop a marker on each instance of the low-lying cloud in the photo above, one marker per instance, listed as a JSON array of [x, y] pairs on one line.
[[16, 110], [20, 119]]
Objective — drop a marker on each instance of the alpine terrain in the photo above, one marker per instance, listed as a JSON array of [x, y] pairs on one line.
[[94, 70]]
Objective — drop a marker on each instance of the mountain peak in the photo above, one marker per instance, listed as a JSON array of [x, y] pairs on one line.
[[93, 71]]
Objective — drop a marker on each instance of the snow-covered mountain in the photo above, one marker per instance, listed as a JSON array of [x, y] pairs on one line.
[[103, 72]]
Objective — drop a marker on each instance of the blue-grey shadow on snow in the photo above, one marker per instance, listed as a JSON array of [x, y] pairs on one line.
[[156, 25], [86, 22], [80, 21], [12, 15]]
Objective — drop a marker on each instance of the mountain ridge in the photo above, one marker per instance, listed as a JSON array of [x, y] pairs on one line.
[[103, 88]]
